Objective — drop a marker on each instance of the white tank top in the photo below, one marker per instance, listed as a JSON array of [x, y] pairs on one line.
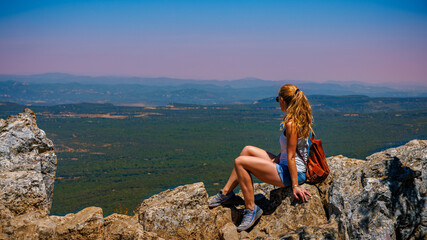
[[302, 146]]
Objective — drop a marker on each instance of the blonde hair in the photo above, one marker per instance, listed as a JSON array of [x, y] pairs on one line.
[[298, 110]]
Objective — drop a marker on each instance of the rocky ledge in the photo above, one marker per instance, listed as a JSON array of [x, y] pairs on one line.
[[382, 197]]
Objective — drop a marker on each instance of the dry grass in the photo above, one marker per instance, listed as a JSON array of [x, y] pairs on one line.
[[63, 148], [147, 114], [125, 211]]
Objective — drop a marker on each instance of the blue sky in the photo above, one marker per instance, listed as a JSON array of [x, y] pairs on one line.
[[368, 41]]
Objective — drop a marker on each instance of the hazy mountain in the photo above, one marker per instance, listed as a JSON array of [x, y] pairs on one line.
[[59, 88], [354, 103]]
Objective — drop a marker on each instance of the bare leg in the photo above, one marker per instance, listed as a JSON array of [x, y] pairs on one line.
[[231, 183], [264, 169], [247, 151]]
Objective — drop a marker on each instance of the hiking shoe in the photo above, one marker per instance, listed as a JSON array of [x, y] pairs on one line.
[[249, 218], [220, 199]]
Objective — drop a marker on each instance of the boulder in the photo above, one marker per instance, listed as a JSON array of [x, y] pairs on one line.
[[122, 227], [29, 225], [90, 224], [286, 216], [229, 232], [384, 197], [338, 166], [27, 165], [86, 224], [182, 213], [27, 174]]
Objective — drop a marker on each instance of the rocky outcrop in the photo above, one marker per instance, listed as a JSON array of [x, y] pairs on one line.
[[29, 225], [27, 173], [122, 227], [182, 213], [86, 224], [383, 197], [380, 198], [27, 165], [90, 224]]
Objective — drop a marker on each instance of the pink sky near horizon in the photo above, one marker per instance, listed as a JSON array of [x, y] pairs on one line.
[[388, 45]]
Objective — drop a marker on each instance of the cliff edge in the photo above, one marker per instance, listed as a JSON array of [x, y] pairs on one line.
[[382, 197]]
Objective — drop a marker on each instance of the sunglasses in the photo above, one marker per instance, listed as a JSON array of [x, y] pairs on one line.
[[277, 99]]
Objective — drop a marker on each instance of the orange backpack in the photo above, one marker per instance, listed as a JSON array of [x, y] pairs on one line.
[[317, 167]]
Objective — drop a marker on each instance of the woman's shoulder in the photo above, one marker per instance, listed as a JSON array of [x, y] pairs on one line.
[[289, 125]]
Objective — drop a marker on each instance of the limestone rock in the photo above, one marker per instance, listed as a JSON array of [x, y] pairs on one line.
[[338, 166], [29, 225], [284, 215], [385, 197], [27, 165], [182, 213], [323, 232], [86, 224], [229, 232], [122, 227]]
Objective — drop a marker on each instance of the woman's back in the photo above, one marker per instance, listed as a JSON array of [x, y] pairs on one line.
[[302, 146]]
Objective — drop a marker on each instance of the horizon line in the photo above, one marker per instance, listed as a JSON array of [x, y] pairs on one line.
[[211, 79]]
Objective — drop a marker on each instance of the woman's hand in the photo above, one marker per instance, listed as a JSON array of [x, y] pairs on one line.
[[300, 193]]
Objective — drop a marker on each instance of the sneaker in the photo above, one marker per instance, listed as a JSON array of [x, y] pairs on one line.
[[249, 218], [220, 199]]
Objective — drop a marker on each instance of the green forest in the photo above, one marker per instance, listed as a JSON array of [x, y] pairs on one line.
[[114, 156]]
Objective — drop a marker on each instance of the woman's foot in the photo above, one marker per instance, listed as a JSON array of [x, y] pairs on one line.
[[221, 199], [249, 218]]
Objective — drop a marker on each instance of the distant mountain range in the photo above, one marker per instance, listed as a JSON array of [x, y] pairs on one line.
[[60, 88]]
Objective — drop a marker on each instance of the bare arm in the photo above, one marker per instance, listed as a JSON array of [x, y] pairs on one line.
[[292, 137]]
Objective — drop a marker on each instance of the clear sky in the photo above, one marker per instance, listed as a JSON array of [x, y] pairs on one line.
[[377, 41]]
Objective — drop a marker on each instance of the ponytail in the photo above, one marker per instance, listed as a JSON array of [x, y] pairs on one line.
[[298, 110]]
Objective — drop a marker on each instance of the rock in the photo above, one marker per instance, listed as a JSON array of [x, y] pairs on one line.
[[229, 232], [283, 214], [122, 227], [182, 213], [338, 166], [385, 197], [27, 165], [27, 173], [323, 232], [86, 224], [29, 225], [90, 224]]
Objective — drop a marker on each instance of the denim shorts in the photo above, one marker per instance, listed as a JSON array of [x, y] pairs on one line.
[[285, 176]]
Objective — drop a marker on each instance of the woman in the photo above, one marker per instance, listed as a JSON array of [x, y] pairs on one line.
[[286, 169]]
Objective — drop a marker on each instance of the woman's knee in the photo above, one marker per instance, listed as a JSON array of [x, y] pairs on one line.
[[239, 161], [246, 151]]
